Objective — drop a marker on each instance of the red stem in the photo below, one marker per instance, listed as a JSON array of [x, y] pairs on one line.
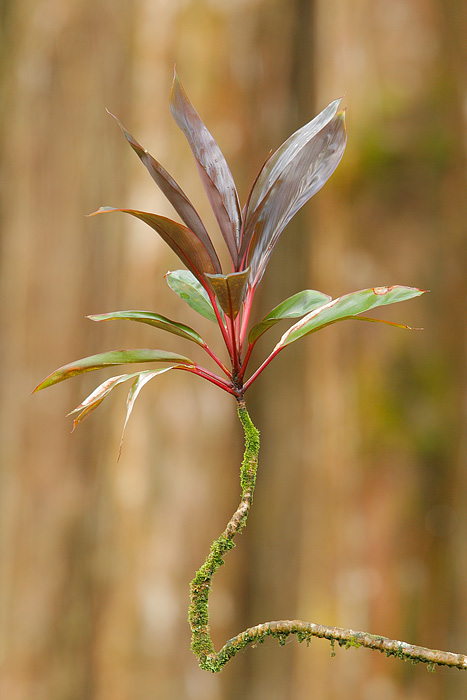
[[216, 360], [224, 331], [260, 369], [234, 354], [246, 316], [210, 376], [246, 359]]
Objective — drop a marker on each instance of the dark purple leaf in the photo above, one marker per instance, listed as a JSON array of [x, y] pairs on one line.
[[174, 194], [293, 175], [277, 162], [182, 240], [215, 173]]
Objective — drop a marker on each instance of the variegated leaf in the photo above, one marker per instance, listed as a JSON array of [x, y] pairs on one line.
[[96, 397], [293, 307], [140, 381], [346, 307], [109, 359]]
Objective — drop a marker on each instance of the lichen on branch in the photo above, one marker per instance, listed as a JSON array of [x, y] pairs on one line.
[[198, 616]]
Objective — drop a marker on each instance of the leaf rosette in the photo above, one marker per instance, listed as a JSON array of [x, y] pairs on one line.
[[288, 179]]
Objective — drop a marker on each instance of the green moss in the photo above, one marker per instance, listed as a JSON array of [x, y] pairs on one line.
[[303, 637], [198, 613], [250, 456], [351, 642]]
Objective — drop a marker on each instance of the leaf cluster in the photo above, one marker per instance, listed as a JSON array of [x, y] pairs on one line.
[[288, 179]]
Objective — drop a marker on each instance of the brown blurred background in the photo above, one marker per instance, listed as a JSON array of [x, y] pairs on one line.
[[360, 517]]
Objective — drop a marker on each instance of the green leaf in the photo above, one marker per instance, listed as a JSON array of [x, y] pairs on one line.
[[346, 307], [108, 359], [185, 284], [230, 290], [293, 307], [152, 319]]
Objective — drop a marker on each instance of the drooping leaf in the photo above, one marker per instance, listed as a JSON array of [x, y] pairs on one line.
[[140, 381], [293, 307], [152, 319], [111, 358], [230, 290], [185, 284], [304, 172], [182, 240], [96, 397], [214, 171], [174, 194], [346, 307]]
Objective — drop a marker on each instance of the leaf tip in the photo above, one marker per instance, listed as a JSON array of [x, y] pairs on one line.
[[118, 122], [101, 210], [42, 385]]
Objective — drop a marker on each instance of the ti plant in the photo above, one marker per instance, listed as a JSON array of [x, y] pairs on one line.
[[287, 180]]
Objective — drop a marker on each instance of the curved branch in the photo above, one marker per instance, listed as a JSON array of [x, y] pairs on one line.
[[347, 638], [198, 615]]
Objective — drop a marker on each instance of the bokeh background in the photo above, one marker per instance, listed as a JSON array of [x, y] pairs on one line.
[[360, 517]]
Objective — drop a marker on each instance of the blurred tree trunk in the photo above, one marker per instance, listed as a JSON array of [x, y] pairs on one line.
[[278, 399], [60, 63], [382, 515], [359, 515]]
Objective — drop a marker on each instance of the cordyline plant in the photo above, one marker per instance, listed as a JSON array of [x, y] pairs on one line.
[[287, 180]]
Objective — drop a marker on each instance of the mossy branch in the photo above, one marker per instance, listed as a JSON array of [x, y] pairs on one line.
[[198, 615]]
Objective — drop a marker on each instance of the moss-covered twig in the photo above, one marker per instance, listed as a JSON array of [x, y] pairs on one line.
[[281, 629], [198, 617], [198, 614]]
